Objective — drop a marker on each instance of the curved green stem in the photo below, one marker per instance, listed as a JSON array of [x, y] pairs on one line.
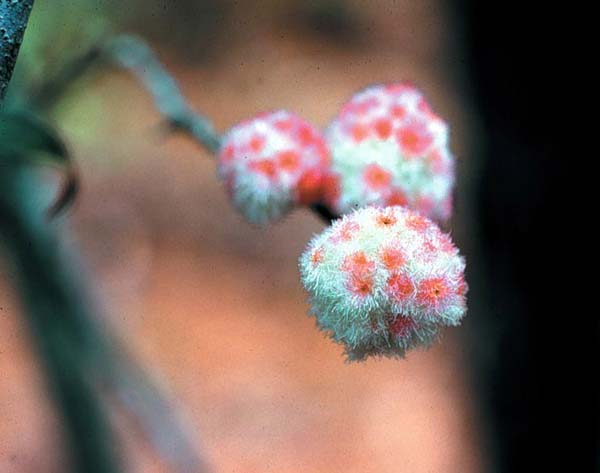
[[57, 314], [51, 299]]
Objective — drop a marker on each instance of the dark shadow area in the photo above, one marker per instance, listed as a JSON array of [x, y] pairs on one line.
[[532, 363]]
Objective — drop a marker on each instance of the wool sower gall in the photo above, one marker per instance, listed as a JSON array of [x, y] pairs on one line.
[[384, 280], [272, 163], [389, 148]]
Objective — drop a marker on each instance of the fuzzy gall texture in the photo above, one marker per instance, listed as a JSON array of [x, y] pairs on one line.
[[389, 148], [271, 163], [384, 280]]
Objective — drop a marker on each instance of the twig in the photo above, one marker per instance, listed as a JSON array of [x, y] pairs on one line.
[[155, 417], [50, 90], [134, 54], [57, 317]]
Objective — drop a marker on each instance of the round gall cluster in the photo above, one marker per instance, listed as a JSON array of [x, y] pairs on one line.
[[389, 148], [271, 163], [384, 280]]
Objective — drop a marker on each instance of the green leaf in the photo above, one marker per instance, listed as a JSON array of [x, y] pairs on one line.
[[66, 195], [27, 139], [23, 135]]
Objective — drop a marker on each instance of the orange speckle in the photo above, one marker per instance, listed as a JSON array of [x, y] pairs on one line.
[[397, 198], [317, 256], [417, 222], [364, 106], [462, 286], [360, 273], [429, 247], [423, 106], [257, 143], [359, 132], [432, 291], [425, 205], [360, 284], [399, 87], [357, 262], [445, 243], [228, 153], [306, 135], [429, 250], [266, 167], [392, 258], [309, 187], [376, 177], [383, 127], [401, 326], [346, 231], [398, 111], [288, 160], [285, 124], [400, 287], [386, 219], [436, 162], [330, 189], [348, 109], [414, 138], [323, 153]]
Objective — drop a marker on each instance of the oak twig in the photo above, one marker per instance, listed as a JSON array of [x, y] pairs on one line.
[[135, 55]]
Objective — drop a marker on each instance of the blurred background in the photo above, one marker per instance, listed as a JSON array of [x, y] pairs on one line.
[[214, 307]]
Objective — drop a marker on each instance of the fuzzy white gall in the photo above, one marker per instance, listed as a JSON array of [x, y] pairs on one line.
[[389, 148], [272, 163], [384, 280]]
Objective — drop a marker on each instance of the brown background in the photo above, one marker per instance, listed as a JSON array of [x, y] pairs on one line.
[[213, 306]]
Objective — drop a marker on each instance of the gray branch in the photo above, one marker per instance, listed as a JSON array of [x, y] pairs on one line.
[[14, 15], [135, 55]]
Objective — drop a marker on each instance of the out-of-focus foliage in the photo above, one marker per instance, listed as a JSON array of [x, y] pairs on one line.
[[198, 27], [27, 139], [59, 30], [23, 134]]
